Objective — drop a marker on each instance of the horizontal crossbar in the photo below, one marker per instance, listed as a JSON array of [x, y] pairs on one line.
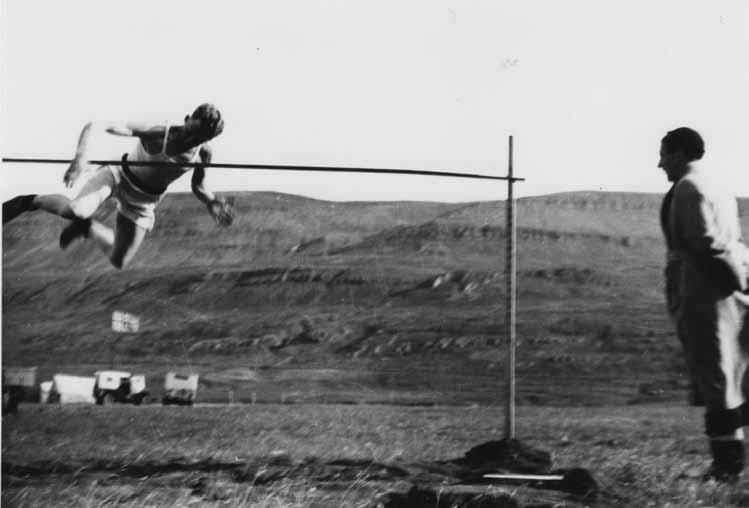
[[330, 169]]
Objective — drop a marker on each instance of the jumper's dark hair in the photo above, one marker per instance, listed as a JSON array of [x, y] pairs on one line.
[[687, 140], [210, 119]]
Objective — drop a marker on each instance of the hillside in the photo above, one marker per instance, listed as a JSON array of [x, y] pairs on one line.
[[315, 300]]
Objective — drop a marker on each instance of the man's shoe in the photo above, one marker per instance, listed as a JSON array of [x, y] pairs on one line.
[[728, 461], [721, 475], [78, 228], [16, 206]]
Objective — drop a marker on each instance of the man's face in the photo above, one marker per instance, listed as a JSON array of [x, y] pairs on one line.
[[674, 163]]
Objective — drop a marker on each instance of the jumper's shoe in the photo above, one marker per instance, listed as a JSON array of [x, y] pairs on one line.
[[78, 228], [16, 206]]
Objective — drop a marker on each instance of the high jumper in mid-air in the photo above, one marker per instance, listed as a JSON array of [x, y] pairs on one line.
[[137, 189]]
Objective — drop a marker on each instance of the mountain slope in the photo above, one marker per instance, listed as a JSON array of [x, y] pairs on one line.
[[402, 298]]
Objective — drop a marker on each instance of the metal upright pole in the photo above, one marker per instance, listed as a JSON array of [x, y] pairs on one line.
[[510, 299]]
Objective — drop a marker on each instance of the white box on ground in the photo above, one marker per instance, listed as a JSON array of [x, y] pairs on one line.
[[124, 322]]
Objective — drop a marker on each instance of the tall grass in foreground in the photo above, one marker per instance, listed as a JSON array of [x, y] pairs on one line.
[[641, 456], [285, 494]]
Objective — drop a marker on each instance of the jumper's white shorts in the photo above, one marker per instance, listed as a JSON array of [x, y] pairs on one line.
[[133, 203]]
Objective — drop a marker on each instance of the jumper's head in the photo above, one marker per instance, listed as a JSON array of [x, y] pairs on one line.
[[205, 121]]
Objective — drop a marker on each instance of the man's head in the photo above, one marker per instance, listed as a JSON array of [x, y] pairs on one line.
[[205, 121], [679, 147]]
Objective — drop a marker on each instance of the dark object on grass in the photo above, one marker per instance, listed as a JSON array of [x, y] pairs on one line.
[[513, 457], [422, 497], [511, 454], [576, 481]]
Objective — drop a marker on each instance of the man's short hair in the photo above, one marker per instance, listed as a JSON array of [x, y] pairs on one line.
[[687, 140], [210, 119]]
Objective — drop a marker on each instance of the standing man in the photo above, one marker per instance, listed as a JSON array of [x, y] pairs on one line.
[[706, 275], [138, 189]]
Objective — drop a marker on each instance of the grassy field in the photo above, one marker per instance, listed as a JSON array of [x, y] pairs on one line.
[[364, 330], [340, 455]]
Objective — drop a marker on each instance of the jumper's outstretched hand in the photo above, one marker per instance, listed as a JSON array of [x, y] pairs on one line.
[[77, 167], [222, 211]]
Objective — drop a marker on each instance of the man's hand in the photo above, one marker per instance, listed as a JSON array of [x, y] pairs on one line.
[[743, 298], [77, 167], [221, 210]]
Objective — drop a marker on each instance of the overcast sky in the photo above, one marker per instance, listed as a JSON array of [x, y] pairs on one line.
[[587, 88]]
